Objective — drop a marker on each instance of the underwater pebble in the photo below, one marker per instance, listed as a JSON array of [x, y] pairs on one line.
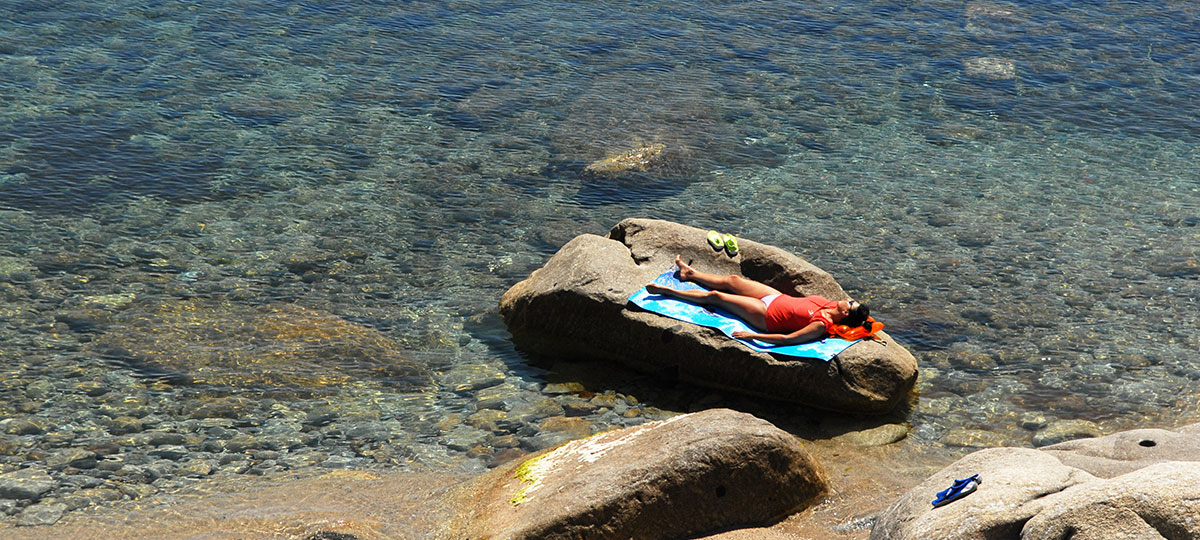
[[302, 460], [496, 397], [9, 445], [196, 468], [937, 407], [1065, 430], [575, 406], [1033, 421], [489, 420], [464, 437], [137, 491], [338, 462], [237, 466], [471, 377], [973, 438], [25, 426], [242, 443], [25, 484], [124, 425], [88, 497], [526, 412], [74, 457], [41, 514], [563, 388], [504, 441], [369, 431], [38, 389], [878, 436], [926, 432]]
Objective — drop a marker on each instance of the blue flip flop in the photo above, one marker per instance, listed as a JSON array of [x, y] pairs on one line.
[[958, 490]]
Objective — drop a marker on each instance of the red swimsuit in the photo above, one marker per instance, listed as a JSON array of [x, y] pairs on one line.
[[787, 314]]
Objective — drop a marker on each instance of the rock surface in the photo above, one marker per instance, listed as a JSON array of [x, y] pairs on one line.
[[1158, 502], [1119, 486], [41, 514], [1128, 451], [25, 484], [877, 436], [640, 159], [675, 478], [576, 306], [205, 341]]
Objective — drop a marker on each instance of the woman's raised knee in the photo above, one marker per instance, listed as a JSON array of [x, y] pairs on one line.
[[748, 287], [737, 280]]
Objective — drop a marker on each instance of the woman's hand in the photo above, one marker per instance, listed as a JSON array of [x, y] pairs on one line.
[[742, 334]]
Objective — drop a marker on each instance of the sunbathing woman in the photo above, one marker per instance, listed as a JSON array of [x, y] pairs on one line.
[[787, 319]]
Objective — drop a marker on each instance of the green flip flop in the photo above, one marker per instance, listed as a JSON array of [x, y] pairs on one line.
[[716, 240], [731, 246]]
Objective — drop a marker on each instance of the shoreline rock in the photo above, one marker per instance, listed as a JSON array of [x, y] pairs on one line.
[[1135, 484], [676, 478], [576, 306]]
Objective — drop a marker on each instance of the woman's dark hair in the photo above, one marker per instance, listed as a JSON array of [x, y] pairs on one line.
[[857, 316]]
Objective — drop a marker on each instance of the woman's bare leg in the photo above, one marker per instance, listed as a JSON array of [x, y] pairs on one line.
[[732, 283], [749, 309]]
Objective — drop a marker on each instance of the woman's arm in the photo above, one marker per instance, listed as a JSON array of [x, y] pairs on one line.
[[814, 331]]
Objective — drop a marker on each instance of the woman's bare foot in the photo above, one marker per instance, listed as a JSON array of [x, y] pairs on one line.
[[654, 288], [685, 272]]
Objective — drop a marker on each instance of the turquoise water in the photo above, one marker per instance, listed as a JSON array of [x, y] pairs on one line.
[[216, 218]]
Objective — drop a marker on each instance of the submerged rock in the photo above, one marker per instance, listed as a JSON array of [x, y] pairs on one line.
[[41, 514], [1065, 430], [279, 345], [1135, 484], [877, 436], [576, 306], [636, 159], [985, 67], [994, 14], [677, 478], [25, 484]]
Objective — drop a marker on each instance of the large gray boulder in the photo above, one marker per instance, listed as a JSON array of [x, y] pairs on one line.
[[1119, 486], [676, 478], [576, 306]]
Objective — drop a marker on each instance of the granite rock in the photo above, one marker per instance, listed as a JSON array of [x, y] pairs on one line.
[[576, 306], [677, 478], [1161, 501], [1128, 451], [1015, 483], [1142, 484]]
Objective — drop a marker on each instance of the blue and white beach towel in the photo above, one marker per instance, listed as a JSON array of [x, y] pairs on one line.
[[726, 322]]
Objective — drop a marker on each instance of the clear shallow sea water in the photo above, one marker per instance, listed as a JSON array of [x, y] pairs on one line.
[[194, 193]]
